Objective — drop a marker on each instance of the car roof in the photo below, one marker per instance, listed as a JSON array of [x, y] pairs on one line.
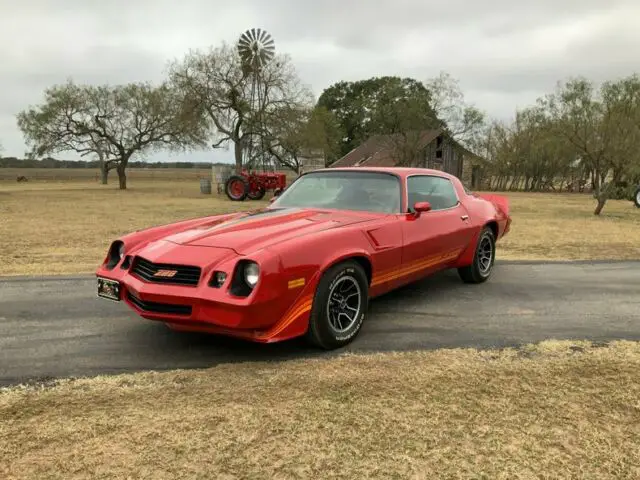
[[400, 171]]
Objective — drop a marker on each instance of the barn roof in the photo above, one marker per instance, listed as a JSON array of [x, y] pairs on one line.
[[377, 151]]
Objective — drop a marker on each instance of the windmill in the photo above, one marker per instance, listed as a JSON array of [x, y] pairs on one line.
[[256, 48]]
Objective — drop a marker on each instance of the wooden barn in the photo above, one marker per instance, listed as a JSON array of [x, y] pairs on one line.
[[429, 149]]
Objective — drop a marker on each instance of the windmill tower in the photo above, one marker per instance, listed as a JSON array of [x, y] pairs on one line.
[[256, 49]]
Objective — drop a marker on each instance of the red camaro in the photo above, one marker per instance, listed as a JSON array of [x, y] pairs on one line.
[[309, 262]]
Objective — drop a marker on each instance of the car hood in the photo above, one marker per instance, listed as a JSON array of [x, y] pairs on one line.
[[256, 230]]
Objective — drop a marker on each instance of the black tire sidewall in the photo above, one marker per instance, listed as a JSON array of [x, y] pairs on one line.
[[486, 232], [322, 331]]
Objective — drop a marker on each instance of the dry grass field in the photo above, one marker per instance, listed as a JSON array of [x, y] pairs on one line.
[[563, 227], [49, 175], [552, 411], [63, 226], [555, 410]]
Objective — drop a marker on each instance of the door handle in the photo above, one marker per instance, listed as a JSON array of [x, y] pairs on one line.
[[464, 217]]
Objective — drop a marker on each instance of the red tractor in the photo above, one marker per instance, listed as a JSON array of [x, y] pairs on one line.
[[254, 185]]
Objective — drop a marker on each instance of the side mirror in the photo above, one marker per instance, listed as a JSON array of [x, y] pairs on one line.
[[420, 207]]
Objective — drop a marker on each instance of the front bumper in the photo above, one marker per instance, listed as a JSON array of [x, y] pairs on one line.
[[278, 315]]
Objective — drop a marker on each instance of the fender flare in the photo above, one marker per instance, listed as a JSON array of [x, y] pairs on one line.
[[346, 255]]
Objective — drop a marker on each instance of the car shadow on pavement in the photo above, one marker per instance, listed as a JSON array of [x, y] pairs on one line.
[[199, 349]]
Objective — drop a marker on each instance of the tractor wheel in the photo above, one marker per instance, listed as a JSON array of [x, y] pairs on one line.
[[236, 188], [257, 194], [277, 192]]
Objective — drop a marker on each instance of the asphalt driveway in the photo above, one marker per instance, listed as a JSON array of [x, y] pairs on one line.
[[57, 327]]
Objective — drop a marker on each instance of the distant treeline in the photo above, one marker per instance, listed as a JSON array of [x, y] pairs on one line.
[[13, 162]]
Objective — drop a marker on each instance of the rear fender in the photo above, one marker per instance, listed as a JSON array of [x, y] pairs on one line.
[[500, 201], [466, 258]]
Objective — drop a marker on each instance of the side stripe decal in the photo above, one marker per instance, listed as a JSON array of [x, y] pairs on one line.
[[403, 271]]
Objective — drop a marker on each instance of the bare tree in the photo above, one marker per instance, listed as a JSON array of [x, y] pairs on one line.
[[602, 125], [465, 123], [577, 133], [115, 122], [221, 84], [293, 133]]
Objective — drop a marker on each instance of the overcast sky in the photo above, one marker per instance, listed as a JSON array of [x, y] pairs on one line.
[[505, 53]]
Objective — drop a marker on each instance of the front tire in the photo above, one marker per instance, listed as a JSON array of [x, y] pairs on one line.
[[483, 259], [339, 307], [257, 194]]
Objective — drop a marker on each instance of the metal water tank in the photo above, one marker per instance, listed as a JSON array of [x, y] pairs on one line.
[[205, 186]]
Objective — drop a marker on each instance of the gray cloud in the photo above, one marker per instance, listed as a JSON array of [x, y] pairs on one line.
[[505, 53]]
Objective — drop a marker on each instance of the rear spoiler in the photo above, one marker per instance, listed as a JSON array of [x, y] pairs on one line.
[[500, 201]]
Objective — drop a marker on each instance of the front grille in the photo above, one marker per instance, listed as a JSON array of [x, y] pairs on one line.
[[152, 272], [159, 307]]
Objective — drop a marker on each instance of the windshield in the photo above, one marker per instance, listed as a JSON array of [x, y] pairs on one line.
[[364, 191]]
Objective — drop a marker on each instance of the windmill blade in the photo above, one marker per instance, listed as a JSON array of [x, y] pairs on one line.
[[270, 52], [245, 39], [256, 47]]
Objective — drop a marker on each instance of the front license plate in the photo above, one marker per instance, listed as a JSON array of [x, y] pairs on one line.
[[109, 289]]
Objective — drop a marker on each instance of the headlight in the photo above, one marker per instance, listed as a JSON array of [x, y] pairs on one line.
[[251, 274]]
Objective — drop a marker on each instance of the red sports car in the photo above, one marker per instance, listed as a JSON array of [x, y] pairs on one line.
[[309, 262]]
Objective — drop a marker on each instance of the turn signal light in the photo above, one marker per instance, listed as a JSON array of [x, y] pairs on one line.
[[217, 279]]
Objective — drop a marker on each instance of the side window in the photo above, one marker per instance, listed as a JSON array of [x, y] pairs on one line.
[[438, 191]]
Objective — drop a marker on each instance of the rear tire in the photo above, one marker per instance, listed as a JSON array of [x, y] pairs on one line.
[[339, 306], [236, 188], [483, 259]]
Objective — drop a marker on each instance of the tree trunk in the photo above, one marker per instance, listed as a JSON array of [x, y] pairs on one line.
[[122, 176], [602, 199], [104, 173], [238, 154], [595, 181]]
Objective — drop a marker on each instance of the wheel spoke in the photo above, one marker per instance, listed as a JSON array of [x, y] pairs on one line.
[[485, 255], [335, 320], [344, 304]]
